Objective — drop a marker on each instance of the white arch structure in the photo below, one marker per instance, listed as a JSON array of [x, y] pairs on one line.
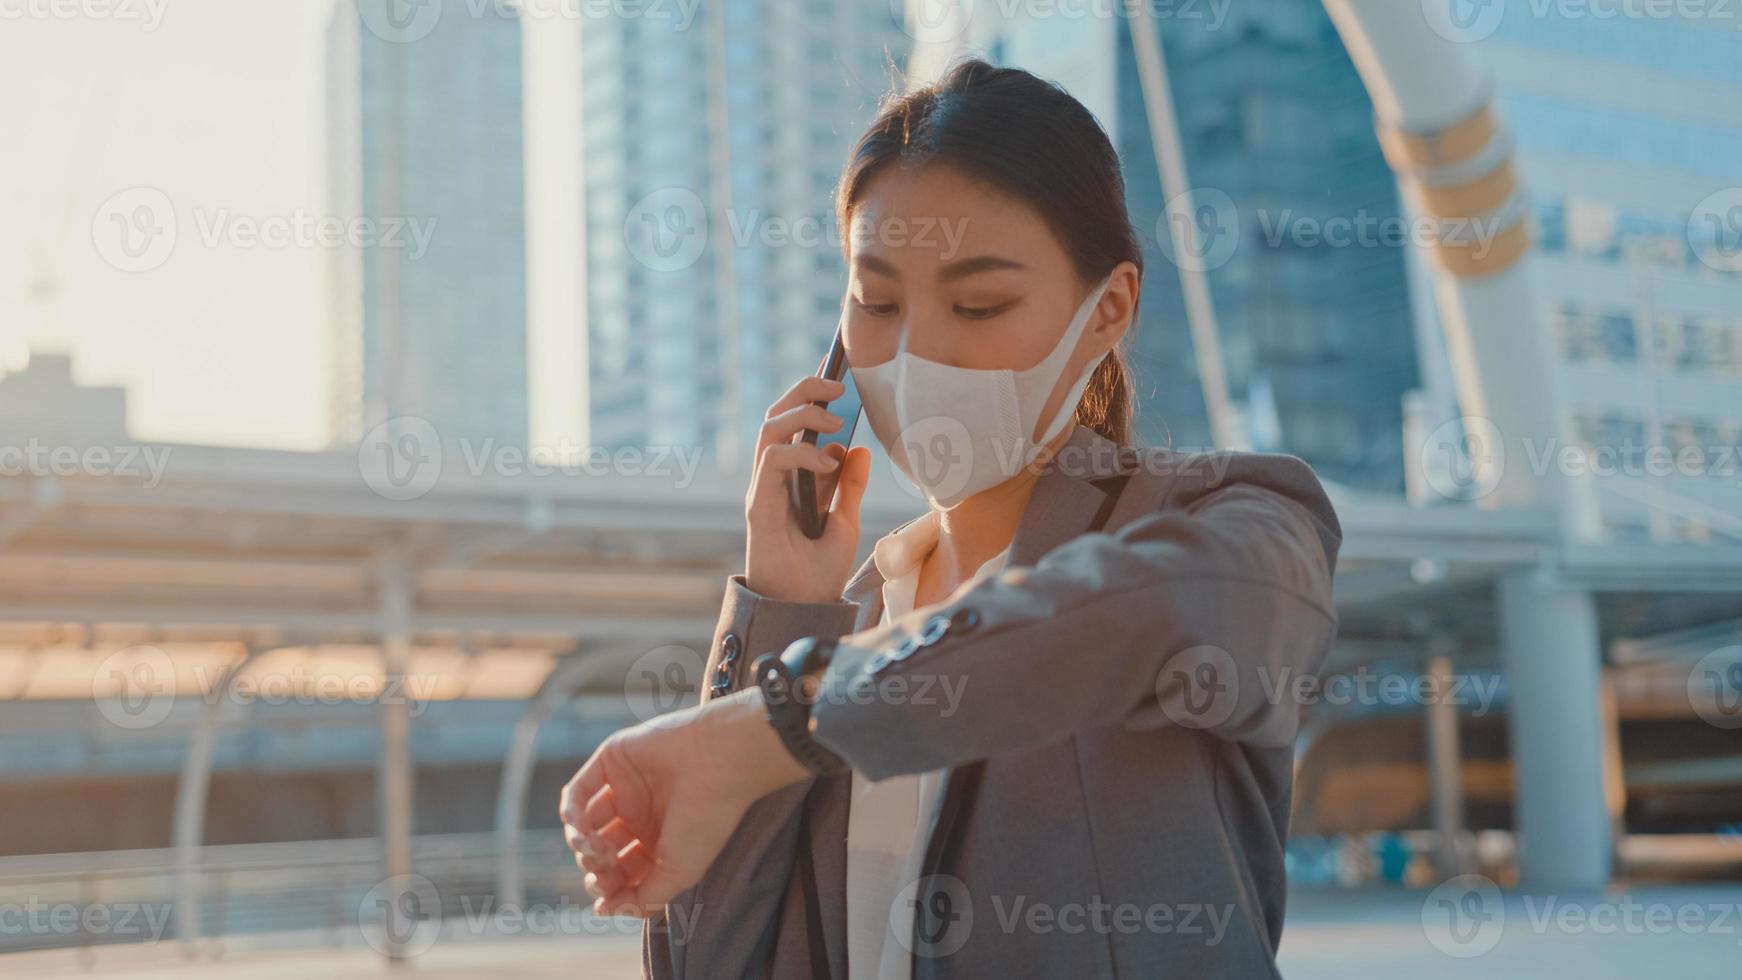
[[1441, 134]]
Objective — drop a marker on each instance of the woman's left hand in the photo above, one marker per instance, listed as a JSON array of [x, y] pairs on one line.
[[656, 803]]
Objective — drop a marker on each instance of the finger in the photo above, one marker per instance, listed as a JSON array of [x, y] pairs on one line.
[[768, 487], [826, 482], [602, 808], [593, 865], [629, 900], [809, 388], [593, 851], [593, 859], [579, 790], [806, 415], [605, 883], [604, 847], [854, 477], [622, 900], [636, 862], [651, 890]]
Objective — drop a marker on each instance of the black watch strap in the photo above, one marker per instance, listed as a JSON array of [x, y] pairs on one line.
[[789, 713]]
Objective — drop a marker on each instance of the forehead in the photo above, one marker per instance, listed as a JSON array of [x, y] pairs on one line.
[[910, 210]]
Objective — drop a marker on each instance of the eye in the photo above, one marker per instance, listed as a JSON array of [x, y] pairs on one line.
[[878, 309], [981, 312]]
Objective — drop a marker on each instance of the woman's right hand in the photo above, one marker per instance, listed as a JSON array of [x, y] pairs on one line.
[[780, 561]]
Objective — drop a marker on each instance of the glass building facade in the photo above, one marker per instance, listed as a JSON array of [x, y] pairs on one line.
[[1298, 215], [711, 151], [426, 138]]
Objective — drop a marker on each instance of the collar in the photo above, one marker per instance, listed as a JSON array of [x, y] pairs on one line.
[[1069, 492], [903, 549]]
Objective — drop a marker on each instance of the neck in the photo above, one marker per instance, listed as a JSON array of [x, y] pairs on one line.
[[971, 532]]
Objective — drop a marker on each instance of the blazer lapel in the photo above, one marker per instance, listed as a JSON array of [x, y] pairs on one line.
[[1068, 495]]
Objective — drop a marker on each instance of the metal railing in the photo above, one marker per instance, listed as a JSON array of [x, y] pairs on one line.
[[305, 893]]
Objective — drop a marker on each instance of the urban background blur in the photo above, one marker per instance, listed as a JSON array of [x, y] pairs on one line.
[[377, 379]]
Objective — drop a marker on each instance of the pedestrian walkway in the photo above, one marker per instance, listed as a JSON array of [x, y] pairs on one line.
[[1678, 933]]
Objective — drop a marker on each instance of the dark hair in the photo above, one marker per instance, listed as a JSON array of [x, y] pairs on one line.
[[1032, 140]]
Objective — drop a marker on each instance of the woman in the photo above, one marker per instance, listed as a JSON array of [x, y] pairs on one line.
[[1039, 732]]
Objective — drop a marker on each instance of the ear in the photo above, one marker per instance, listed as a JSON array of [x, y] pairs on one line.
[[1117, 308]]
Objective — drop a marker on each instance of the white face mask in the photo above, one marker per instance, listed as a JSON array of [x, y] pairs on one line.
[[957, 431]]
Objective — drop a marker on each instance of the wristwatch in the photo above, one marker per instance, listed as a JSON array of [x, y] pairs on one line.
[[789, 710]]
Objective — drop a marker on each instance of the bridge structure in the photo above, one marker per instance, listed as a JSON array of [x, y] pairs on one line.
[[139, 603]]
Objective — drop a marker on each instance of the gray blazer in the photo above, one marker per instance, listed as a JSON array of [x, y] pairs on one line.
[[1114, 711]]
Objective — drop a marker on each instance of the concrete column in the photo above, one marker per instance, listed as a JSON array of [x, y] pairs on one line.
[[394, 585], [1445, 768], [1553, 661]]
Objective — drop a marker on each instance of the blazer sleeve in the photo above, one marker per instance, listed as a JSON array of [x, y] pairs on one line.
[[730, 917], [1204, 613]]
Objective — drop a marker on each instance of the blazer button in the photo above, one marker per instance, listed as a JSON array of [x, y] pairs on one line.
[[730, 646], [908, 646], [934, 630], [964, 619]]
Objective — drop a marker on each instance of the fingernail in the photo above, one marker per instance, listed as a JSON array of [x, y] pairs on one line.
[[831, 462]]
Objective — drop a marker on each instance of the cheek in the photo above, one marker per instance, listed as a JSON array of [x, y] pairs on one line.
[[867, 344], [1020, 343]]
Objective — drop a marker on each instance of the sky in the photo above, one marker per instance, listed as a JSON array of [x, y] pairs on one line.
[[218, 105]]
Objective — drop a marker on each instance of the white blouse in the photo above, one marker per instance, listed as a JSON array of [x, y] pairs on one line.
[[889, 823]]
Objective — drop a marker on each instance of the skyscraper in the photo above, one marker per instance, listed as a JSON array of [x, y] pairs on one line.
[[1298, 215], [425, 163], [712, 147]]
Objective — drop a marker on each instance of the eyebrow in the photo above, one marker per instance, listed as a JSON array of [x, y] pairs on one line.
[[951, 271]]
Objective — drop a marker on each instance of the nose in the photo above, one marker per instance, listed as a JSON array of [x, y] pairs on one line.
[[923, 337], [872, 341]]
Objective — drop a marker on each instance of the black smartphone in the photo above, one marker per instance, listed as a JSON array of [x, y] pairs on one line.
[[813, 514]]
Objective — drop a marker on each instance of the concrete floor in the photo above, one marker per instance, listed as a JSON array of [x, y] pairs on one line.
[[1671, 933], [1679, 933]]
